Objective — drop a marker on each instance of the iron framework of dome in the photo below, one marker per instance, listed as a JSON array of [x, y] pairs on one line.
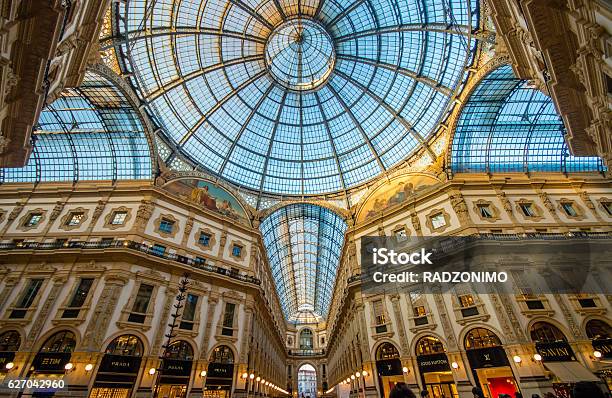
[[297, 98], [304, 243], [89, 133], [508, 126]]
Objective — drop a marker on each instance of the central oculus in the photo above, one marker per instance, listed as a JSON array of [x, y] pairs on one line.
[[300, 54]]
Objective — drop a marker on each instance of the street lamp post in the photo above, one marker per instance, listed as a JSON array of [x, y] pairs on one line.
[[183, 284]]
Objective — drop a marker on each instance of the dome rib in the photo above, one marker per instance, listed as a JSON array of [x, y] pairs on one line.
[[355, 87]]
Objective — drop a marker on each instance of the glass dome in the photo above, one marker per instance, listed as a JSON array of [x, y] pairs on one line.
[[297, 98]]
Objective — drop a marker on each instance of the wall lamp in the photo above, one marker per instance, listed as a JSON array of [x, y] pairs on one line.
[[152, 371], [203, 373], [9, 366], [405, 370], [537, 357], [517, 359], [455, 365], [89, 367]]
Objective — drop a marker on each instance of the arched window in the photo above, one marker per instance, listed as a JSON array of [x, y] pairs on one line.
[[598, 330], [429, 345], [306, 339], [387, 351], [180, 350], [222, 354], [128, 345], [543, 332], [481, 338], [63, 341], [10, 341]]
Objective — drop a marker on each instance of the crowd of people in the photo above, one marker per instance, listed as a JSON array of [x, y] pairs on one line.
[[581, 390]]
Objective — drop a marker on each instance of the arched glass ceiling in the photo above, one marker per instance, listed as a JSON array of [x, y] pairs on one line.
[[89, 133], [304, 243], [297, 97], [507, 126]]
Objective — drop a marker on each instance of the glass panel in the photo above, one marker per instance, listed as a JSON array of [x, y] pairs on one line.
[[81, 293], [126, 345], [89, 133], [142, 298], [64, 341], [509, 126], [29, 294], [318, 98], [119, 218], [190, 307], [303, 243], [228, 316]]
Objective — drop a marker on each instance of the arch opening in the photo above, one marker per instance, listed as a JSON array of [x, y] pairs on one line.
[[388, 368], [220, 373], [119, 368], [489, 363], [175, 371], [307, 381], [434, 368]]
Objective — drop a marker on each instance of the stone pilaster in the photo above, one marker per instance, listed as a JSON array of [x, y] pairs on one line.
[[103, 312]]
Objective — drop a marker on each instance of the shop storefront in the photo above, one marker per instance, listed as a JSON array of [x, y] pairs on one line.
[[220, 373], [388, 367], [489, 363], [558, 358], [119, 368], [52, 362], [175, 370], [434, 368], [600, 334], [9, 344]]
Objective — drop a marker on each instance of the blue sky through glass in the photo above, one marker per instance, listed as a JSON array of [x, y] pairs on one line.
[[202, 68], [89, 133], [304, 243], [507, 126]]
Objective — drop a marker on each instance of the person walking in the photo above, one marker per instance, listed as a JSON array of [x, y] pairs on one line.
[[401, 390], [587, 389], [477, 392]]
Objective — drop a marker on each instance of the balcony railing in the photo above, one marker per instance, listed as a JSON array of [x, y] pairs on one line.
[[306, 353], [197, 263]]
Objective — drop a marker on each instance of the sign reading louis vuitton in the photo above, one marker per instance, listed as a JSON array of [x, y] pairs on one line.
[[433, 363], [558, 351], [487, 357], [389, 367]]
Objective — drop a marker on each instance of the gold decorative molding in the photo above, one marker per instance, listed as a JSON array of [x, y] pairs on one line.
[[495, 214], [109, 217], [537, 210], [66, 218], [211, 241], [242, 246], [169, 217], [433, 213], [22, 221], [577, 208]]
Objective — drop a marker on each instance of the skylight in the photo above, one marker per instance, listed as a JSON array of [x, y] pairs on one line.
[[297, 98], [304, 243]]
